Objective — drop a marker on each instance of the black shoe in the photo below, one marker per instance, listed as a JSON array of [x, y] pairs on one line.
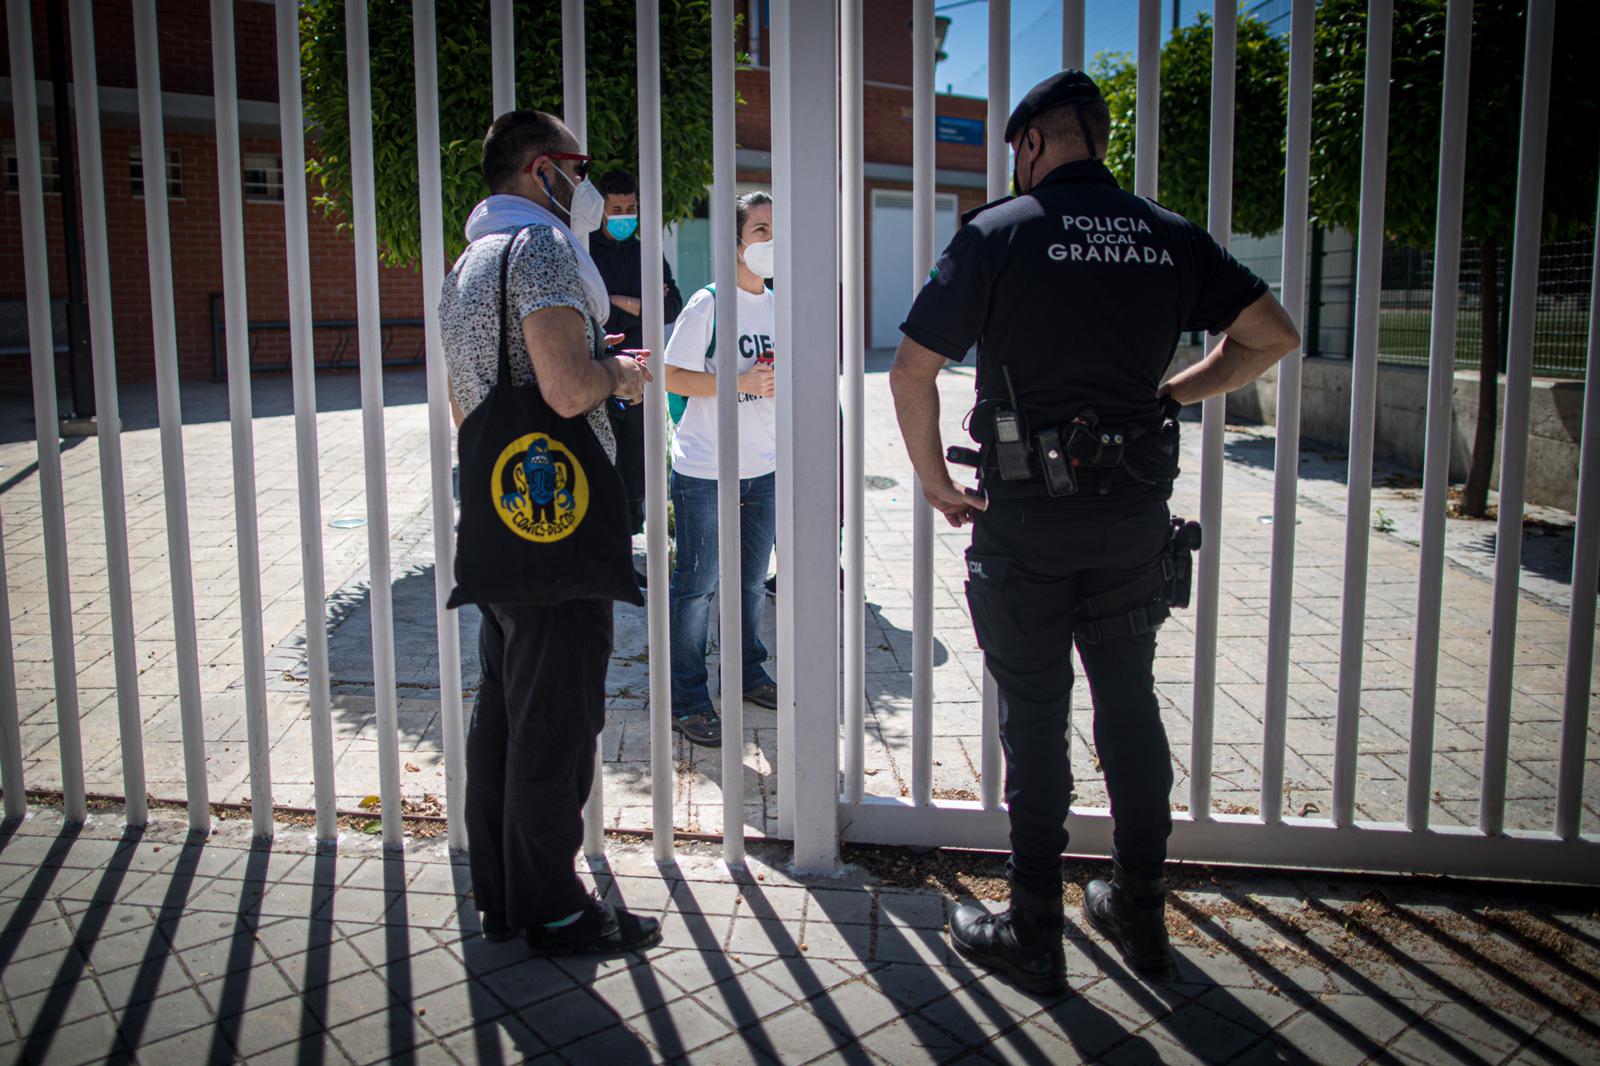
[[642, 578], [603, 930], [1014, 944], [1138, 931], [763, 696], [704, 728], [772, 586], [495, 929]]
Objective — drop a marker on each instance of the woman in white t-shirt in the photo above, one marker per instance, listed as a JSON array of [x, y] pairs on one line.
[[691, 372]]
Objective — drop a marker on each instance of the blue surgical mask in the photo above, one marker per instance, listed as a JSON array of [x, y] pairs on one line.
[[621, 227]]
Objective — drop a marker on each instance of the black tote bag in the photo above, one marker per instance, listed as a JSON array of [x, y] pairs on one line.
[[544, 517]]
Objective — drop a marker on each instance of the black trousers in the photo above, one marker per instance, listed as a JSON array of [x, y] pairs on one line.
[[628, 425], [1030, 562], [530, 755]]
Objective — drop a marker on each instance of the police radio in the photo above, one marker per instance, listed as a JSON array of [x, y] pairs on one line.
[[1011, 445]]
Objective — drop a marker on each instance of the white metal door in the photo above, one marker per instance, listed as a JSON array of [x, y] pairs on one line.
[[891, 258]]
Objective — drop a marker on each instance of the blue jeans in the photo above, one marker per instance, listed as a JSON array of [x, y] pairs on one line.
[[694, 582]]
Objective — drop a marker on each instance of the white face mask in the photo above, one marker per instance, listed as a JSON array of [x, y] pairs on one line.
[[588, 205], [761, 258]]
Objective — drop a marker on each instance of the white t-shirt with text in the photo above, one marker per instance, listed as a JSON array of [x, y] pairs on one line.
[[694, 449]]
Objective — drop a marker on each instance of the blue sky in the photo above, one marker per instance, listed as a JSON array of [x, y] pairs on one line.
[[1035, 41]]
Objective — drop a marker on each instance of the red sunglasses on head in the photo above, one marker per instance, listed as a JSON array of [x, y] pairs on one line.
[[582, 160]]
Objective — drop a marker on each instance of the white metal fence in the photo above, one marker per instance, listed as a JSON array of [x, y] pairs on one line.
[[816, 68]]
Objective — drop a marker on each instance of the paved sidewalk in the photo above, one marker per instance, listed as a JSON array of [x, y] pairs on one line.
[[159, 947], [1386, 699]]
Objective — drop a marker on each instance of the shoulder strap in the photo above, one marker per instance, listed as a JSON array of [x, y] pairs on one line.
[[504, 366]]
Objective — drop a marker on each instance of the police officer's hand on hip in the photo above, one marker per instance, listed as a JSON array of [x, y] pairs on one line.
[[1075, 295]]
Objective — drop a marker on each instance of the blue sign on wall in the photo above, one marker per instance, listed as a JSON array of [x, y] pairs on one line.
[[958, 130]]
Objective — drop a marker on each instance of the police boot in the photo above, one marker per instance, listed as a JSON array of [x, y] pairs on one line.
[[1016, 943], [1131, 913]]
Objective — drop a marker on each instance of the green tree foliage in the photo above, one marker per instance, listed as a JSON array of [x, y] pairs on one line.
[[1260, 87], [1499, 33], [466, 103]]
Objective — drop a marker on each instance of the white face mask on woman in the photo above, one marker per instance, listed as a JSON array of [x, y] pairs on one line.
[[761, 258], [588, 204]]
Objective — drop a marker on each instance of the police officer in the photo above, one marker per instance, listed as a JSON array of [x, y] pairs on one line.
[[1075, 294]]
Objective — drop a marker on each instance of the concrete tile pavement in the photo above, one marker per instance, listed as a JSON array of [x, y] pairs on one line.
[[182, 950]]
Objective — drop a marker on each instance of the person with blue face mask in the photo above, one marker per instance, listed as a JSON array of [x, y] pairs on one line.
[[615, 248]]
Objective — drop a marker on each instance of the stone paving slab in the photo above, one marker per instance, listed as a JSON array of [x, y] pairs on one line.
[[1388, 652], [177, 952]]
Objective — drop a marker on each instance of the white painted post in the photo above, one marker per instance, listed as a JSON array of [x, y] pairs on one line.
[[230, 195], [1072, 33], [807, 282], [991, 755], [503, 49], [1585, 573], [1219, 217], [1515, 429], [10, 723], [373, 446], [1441, 378], [1286, 457], [158, 249], [652, 300], [730, 616], [302, 355], [575, 113], [441, 429], [922, 257], [1363, 406], [1147, 137], [852, 260], [46, 417], [114, 508]]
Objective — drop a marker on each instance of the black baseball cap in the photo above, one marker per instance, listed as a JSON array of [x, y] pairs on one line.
[[1067, 87]]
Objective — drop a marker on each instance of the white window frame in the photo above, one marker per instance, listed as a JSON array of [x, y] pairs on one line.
[[174, 160], [270, 191], [49, 167]]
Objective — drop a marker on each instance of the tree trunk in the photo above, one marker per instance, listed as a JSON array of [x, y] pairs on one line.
[[1475, 497]]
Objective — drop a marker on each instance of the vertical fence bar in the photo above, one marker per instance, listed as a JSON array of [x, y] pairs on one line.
[[724, 272], [114, 504], [1585, 574], [807, 283], [10, 724], [1519, 387], [503, 49], [302, 356], [41, 353], [369, 335], [1441, 378], [999, 183], [1363, 406], [158, 249], [1286, 455], [1219, 217], [1147, 136], [922, 255], [1072, 33], [441, 433], [230, 195], [778, 55], [652, 300], [853, 287], [575, 112]]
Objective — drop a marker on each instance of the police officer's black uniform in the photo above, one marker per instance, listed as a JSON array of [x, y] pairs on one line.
[[1075, 295]]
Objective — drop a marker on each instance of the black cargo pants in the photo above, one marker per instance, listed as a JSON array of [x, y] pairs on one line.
[[530, 755], [1030, 562]]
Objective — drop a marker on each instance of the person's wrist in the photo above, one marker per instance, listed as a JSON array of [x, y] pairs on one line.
[[614, 374]]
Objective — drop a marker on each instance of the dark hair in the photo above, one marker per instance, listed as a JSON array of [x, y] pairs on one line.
[[1060, 125], [742, 208], [617, 183], [515, 139]]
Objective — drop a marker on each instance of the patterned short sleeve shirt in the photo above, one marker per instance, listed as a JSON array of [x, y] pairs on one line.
[[543, 273]]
